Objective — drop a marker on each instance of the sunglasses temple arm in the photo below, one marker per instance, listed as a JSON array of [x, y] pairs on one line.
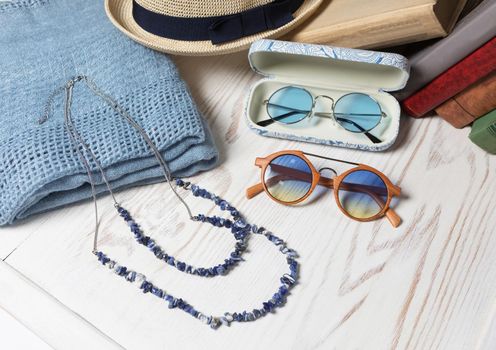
[[366, 133], [393, 217], [254, 190], [268, 122]]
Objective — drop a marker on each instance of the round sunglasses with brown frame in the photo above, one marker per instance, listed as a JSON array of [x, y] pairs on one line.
[[380, 195]]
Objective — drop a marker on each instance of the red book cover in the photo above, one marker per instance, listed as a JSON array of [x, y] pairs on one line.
[[471, 69]]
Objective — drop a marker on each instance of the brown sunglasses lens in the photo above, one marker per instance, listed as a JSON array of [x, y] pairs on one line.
[[362, 194], [288, 178]]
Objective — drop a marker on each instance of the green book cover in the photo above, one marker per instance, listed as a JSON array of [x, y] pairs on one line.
[[483, 132]]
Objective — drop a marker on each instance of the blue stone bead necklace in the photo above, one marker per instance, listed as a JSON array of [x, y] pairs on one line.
[[240, 229]]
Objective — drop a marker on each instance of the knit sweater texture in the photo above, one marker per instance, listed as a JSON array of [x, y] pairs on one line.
[[44, 43]]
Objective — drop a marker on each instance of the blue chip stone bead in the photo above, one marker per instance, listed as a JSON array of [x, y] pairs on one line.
[[157, 292], [277, 299], [122, 212], [146, 287], [224, 321], [139, 279], [283, 290], [192, 311], [131, 276], [159, 254], [240, 223], [223, 205], [221, 270], [181, 266], [151, 243], [179, 182], [257, 313], [240, 246], [145, 240], [102, 258], [229, 317], [291, 253], [172, 303], [268, 306], [180, 303], [120, 270]]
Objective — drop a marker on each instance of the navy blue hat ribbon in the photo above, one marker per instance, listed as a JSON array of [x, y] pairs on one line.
[[219, 29]]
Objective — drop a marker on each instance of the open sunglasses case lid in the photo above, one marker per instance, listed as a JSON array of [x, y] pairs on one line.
[[328, 71]]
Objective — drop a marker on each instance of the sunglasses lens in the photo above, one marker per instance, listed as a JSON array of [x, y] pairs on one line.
[[288, 178], [362, 194], [289, 105], [357, 112]]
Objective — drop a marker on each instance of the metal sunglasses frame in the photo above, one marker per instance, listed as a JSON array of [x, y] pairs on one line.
[[331, 115]]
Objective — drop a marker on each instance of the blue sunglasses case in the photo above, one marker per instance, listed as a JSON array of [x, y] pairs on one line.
[[329, 71]]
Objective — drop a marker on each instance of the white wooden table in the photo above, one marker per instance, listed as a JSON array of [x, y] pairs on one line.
[[430, 284]]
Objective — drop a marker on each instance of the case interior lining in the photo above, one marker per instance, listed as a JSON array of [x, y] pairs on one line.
[[327, 70]]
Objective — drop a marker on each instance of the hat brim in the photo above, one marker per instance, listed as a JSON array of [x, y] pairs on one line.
[[120, 13]]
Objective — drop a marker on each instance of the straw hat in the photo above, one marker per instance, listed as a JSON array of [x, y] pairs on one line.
[[206, 27]]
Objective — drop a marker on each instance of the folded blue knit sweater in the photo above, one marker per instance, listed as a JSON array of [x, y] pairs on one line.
[[43, 44]]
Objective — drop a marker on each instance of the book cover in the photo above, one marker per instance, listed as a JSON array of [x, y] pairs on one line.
[[379, 23], [471, 104], [474, 67], [483, 132], [469, 7], [477, 28]]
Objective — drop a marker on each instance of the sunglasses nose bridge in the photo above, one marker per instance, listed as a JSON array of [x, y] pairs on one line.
[[330, 169], [327, 181], [326, 98]]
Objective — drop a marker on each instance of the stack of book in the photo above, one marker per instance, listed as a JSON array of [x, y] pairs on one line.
[[451, 45], [455, 77]]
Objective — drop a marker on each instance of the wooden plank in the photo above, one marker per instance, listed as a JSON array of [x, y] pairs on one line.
[[45, 316], [488, 342], [16, 336]]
